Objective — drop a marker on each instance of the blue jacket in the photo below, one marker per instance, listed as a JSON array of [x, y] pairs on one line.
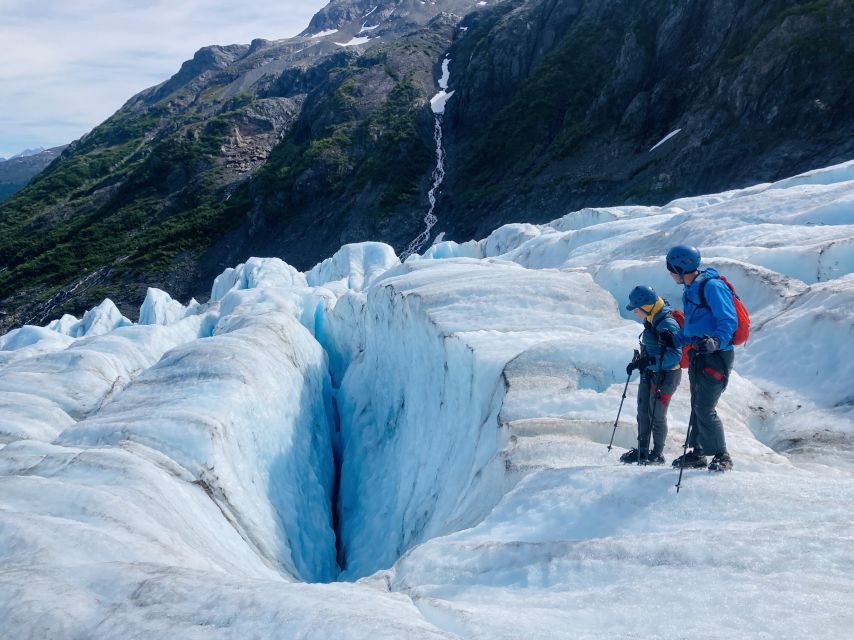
[[718, 319], [662, 321]]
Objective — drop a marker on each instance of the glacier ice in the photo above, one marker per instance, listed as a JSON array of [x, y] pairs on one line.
[[159, 308], [436, 430]]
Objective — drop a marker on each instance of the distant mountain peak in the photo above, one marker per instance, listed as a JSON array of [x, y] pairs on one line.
[[366, 15], [18, 170], [27, 153]]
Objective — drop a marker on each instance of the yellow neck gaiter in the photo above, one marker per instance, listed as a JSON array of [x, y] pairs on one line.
[[653, 309]]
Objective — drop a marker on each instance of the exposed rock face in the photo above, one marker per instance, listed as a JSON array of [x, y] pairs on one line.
[[571, 99], [195, 74], [292, 147], [256, 131]]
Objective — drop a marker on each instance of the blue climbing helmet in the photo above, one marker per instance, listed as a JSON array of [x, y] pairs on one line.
[[683, 259], [640, 296]]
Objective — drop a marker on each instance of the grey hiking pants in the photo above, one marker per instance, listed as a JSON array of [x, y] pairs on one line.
[[709, 376], [654, 395]]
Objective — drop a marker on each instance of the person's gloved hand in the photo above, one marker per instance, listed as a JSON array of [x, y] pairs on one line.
[[640, 364], [707, 345], [666, 338]]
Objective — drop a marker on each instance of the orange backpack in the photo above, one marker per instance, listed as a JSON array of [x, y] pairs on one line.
[[679, 316], [742, 331]]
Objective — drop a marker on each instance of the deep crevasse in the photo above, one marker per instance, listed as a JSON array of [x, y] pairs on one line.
[[421, 396], [419, 433]]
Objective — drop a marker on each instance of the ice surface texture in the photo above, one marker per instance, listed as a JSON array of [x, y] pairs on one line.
[[176, 477]]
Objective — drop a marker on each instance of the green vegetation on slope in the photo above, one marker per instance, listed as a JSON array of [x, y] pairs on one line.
[[386, 151], [108, 205]]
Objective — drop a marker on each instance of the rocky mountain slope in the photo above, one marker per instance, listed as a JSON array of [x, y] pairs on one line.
[[290, 148]]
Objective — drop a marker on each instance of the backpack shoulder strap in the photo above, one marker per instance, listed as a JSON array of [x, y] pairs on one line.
[[702, 290]]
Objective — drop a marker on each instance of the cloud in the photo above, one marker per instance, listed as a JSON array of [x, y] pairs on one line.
[[67, 66]]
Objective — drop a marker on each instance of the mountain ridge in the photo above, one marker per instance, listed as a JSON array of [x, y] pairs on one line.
[[293, 147]]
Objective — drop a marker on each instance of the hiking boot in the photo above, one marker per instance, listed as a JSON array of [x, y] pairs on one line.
[[631, 457], [654, 458], [721, 462], [692, 460]]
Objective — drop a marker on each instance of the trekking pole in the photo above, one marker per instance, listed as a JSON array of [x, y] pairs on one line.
[[625, 389], [655, 397], [691, 419], [685, 450]]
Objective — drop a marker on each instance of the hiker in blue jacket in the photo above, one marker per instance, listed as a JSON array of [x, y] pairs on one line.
[[660, 374], [710, 321]]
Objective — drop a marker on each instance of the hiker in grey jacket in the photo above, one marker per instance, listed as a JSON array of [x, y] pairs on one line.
[[660, 374]]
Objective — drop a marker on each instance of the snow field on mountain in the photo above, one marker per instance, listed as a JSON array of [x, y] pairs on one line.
[[175, 479]]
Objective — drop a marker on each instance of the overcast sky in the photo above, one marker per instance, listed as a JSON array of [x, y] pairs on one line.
[[67, 65]]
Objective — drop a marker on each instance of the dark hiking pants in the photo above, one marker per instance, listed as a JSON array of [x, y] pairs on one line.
[[654, 395], [709, 375]]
